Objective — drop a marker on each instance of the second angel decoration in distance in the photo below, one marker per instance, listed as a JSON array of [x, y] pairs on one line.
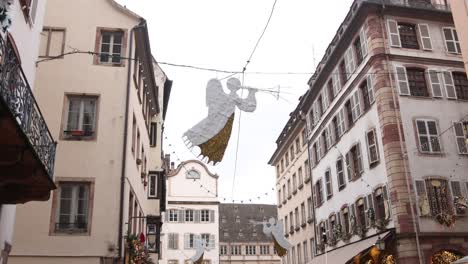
[[212, 134], [275, 229]]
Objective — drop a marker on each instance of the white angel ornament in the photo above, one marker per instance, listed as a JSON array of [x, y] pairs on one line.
[[200, 247], [212, 134], [275, 229]]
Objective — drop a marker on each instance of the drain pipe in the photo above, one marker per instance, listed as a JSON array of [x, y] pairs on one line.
[[408, 182], [124, 148]]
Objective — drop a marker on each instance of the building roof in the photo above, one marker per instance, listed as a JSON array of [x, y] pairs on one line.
[[247, 213]]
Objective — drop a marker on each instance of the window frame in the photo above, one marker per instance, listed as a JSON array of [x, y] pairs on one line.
[[89, 182], [463, 128], [153, 180], [428, 136], [49, 31], [79, 134], [375, 146], [455, 40], [98, 44]]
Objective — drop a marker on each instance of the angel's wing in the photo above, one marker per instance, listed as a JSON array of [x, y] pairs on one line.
[[214, 92]]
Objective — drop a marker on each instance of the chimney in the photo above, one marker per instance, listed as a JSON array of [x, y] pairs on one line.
[[172, 165]]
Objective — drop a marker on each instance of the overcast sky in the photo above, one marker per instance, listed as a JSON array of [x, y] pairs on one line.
[[221, 34]]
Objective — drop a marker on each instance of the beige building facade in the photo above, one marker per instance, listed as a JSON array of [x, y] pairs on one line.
[[460, 16], [105, 100], [293, 183]]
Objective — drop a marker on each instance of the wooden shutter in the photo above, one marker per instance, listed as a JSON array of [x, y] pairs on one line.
[[435, 83], [166, 215], [212, 241], [449, 86], [336, 81], [186, 241], [359, 158], [363, 38], [460, 137], [212, 216], [387, 202], [356, 105], [325, 102], [197, 216], [315, 190], [176, 241], [402, 80], [456, 189], [349, 62], [370, 88], [366, 209], [181, 216], [425, 36], [394, 33], [169, 240], [348, 166]]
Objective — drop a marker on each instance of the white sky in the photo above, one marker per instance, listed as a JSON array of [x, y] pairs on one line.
[[221, 34]]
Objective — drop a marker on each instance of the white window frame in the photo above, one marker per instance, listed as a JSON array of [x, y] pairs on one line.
[[73, 214], [205, 218], [342, 172], [173, 216], [328, 183], [430, 137], [81, 100], [189, 215], [435, 82], [355, 106], [350, 64], [394, 32], [426, 41], [372, 147], [153, 185], [363, 40], [456, 43], [111, 44]]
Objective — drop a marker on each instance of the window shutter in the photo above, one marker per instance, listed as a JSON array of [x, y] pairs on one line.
[[212, 241], [449, 40], [449, 86], [366, 209], [181, 216], [325, 101], [336, 81], [348, 166], [435, 83], [212, 216], [359, 158], [363, 38], [460, 137], [394, 33], [176, 241], [186, 241], [420, 188], [370, 88], [353, 210], [387, 202], [425, 36], [315, 194], [342, 122], [349, 62], [166, 215], [169, 240], [456, 189], [197, 216], [357, 105], [402, 80], [338, 219]]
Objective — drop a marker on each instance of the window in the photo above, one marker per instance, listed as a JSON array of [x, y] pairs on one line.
[[236, 250], [299, 252], [296, 214], [428, 136], [81, 117], [134, 131], [153, 134], [206, 238], [286, 157], [173, 241], [52, 42], [294, 183], [237, 219], [461, 136], [361, 213], [408, 36], [189, 241], [277, 171], [340, 174], [291, 222], [330, 90], [345, 218], [372, 147], [354, 162], [304, 137], [250, 250], [358, 50], [298, 145], [349, 113], [279, 196], [350, 65], [264, 250], [223, 250], [381, 203], [309, 208], [286, 224], [153, 186], [110, 46], [417, 82], [284, 192], [355, 106], [461, 85], [326, 138], [300, 178], [173, 215], [307, 169], [192, 174], [318, 193], [282, 165], [328, 184], [343, 74], [189, 215], [73, 207], [303, 213], [291, 150], [367, 93], [293, 255], [205, 215], [289, 188], [439, 200], [305, 249], [452, 44]]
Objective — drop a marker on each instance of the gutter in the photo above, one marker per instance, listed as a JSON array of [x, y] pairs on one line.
[[124, 148]]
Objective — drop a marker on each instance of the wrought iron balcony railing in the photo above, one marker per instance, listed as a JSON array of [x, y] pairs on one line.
[[17, 96]]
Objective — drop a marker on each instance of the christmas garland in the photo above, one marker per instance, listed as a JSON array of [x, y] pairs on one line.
[[137, 253]]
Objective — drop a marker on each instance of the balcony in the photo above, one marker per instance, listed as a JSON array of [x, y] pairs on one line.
[[27, 149], [417, 4]]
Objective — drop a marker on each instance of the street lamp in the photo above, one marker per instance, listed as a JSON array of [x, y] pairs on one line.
[[380, 244], [151, 233]]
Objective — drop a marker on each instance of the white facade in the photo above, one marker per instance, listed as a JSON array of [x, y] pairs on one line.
[[26, 34], [192, 213]]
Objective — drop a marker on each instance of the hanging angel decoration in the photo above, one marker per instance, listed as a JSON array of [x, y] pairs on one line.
[[212, 134], [275, 229], [200, 247]]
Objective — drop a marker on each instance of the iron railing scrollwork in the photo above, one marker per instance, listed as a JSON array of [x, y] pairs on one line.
[[419, 4], [18, 97]]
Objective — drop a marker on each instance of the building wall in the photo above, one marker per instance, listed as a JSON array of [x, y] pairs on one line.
[[183, 195], [460, 16], [98, 160], [26, 36], [256, 258], [288, 202]]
